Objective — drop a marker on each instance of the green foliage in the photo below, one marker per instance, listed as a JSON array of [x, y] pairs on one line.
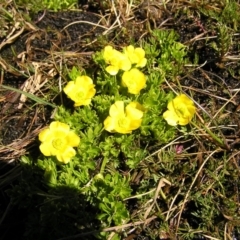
[[5, 19], [224, 40], [166, 55], [55, 5], [94, 178], [108, 193], [115, 179], [227, 15], [59, 4], [74, 73]]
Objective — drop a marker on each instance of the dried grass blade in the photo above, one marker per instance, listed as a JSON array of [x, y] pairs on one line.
[[29, 95]]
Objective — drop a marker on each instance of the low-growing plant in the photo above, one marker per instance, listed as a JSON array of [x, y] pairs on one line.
[[55, 5], [90, 149]]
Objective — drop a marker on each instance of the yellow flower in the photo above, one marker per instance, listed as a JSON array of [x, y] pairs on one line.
[[124, 121], [134, 80], [58, 140], [180, 111], [116, 60], [136, 56], [81, 90]]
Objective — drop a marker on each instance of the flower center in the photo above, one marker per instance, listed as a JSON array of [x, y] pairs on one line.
[[58, 143], [181, 110], [123, 122], [80, 95], [131, 83]]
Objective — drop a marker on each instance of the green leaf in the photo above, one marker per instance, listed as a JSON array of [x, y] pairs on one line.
[[29, 95]]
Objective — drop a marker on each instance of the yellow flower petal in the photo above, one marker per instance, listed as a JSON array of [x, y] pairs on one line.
[[109, 124], [142, 63], [140, 52], [180, 111], [136, 55], [124, 121], [133, 111], [59, 129], [192, 110], [123, 130], [73, 139], [183, 121], [44, 148], [184, 99], [69, 87], [66, 156], [135, 124], [134, 80], [171, 118], [129, 49], [58, 140], [82, 102], [137, 105], [44, 135], [116, 60], [108, 53], [112, 70], [83, 81], [117, 109], [63, 127], [123, 125], [81, 91], [124, 63]]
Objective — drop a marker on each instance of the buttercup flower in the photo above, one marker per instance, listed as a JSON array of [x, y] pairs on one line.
[[116, 60], [81, 90], [180, 111], [124, 121], [134, 80], [58, 140], [136, 56]]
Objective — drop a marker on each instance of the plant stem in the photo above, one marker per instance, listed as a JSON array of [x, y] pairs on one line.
[[214, 136], [104, 162]]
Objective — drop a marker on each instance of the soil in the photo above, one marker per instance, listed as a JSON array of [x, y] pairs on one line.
[[50, 33], [72, 34]]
